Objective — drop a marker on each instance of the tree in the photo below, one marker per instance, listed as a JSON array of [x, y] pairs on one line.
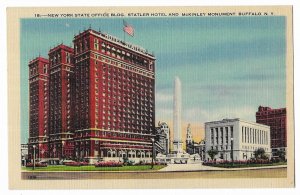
[[260, 154], [212, 153], [280, 154]]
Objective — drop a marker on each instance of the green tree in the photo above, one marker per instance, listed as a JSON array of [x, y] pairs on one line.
[[260, 153], [280, 154], [212, 153]]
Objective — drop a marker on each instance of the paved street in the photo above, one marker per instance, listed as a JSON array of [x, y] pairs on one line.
[[204, 173], [188, 167]]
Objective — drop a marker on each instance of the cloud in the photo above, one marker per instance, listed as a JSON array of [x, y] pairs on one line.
[[162, 97], [202, 115], [163, 114]]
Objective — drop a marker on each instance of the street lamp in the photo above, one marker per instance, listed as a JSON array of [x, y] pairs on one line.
[[62, 149], [33, 167], [39, 154], [152, 164], [231, 139]]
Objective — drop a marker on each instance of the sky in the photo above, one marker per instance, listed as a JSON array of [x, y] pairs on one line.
[[228, 66]]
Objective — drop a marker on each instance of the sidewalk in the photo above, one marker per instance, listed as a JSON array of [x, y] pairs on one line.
[[200, 167]]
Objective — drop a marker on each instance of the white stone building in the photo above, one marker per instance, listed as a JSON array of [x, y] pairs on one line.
[[245, 136], [24, 154], [162, 137]]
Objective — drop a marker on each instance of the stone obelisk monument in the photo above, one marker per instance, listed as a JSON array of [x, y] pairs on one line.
[[177, 140]]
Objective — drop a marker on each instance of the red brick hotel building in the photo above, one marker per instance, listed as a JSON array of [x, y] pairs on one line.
[[276, 119], [101, 101]]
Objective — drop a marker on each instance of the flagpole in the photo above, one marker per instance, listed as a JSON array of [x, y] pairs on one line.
[[124, 35], [124, 30]]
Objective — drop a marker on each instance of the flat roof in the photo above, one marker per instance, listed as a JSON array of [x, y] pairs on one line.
[[119, 42], [234, 120]]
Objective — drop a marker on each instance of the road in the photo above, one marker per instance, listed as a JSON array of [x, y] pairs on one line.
[[280, 172]]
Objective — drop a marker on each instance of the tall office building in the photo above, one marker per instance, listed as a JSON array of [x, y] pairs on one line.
[[98, 99], [114, 98], [276, 119], [38, 107], [60, 100]]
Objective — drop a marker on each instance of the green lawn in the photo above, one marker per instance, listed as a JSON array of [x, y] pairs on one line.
[[93, 168], [246, 165]]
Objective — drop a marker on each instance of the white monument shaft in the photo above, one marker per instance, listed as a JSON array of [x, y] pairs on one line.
[[177, 143]]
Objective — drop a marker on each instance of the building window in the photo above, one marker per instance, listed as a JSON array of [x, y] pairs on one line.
[[45, 69], [68, 57], [217, 135], [242, 134], [212, 136], [96, 44]]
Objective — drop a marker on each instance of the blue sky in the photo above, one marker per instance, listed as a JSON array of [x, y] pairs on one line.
[[228, 66]]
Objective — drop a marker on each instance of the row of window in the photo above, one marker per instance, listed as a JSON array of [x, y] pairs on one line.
[[219, 135], [56, 58], [254, 136], [35, 70]]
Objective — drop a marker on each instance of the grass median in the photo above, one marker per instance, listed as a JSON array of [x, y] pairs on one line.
[[93, 168]]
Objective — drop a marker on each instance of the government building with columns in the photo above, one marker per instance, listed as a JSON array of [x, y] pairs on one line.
[[236, 137]]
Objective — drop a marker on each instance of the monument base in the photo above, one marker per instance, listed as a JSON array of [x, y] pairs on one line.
[[177, 147], [178, 158]]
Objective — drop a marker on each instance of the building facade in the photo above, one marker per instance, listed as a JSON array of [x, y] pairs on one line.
[[24, 154], [114, 98], [236, 138], [189, 142], [61, 94], [276, 119], [102, 100], [38, 108], [162, 138], [200, 149]]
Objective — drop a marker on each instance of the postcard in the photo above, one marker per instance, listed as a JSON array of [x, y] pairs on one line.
[[150, 97]]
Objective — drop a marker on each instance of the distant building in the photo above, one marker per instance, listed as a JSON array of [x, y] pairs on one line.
[[193, 147], [276, 119], [189, 142], [24, 154], [199, 148], [237, 138], [162, 138]]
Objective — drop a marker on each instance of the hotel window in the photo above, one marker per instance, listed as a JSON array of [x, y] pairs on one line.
[[96, 44], [45, 68], [68, 57]]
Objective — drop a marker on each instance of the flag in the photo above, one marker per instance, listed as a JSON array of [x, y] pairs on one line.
[[128, 28]]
